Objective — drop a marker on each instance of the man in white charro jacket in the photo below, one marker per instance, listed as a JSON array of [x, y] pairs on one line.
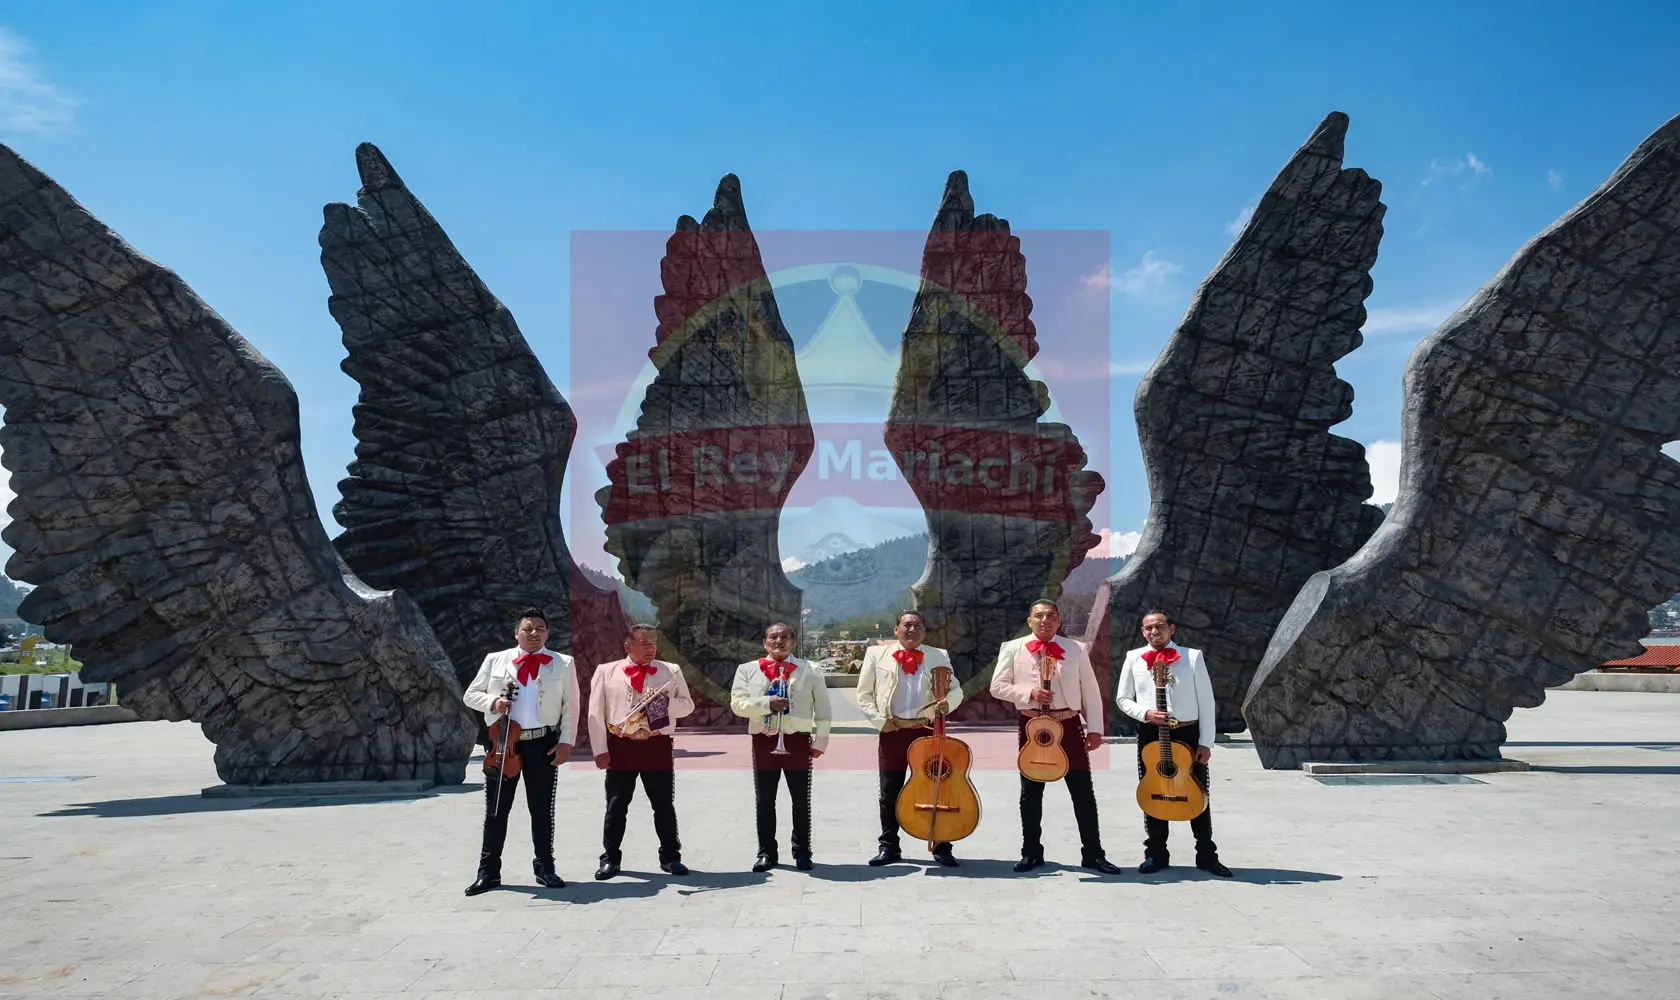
[[784, 700], [895, 692], [545, 705]]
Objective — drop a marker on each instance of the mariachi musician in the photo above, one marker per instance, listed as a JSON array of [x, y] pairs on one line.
[[545, 707], [895, 693], [1189, 719], [1072, 698], [634, 705], [785, 703]]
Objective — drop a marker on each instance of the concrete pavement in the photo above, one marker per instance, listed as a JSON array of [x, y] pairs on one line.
[[120, 880]]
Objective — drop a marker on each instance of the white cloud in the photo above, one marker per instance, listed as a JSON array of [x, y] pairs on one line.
[[1150, 274], [1236, 225], [29, 105], [1554, 180], [1384, 459], [791, 563], [1439, 168], [1407, 319], [1086, 370], [1100, 279], [1112, 544]]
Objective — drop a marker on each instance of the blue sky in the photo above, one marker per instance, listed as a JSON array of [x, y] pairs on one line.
[[210, 135]]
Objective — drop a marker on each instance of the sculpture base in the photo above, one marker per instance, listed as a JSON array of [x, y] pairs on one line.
[[319, 789], [1414, 767]]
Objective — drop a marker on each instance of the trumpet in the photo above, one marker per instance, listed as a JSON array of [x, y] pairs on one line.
[[779, 689], [638, 711]]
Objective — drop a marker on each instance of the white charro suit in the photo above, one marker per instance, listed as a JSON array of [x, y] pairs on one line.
[[1189, 690], [1189, 697], [552, 721], [808, 704], [556, 685]]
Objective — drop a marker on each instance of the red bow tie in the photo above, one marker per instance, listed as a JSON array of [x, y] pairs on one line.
[[638, 674], [1052, 650], [529, 664], [1163, 656], [772, 671], [908, 659]]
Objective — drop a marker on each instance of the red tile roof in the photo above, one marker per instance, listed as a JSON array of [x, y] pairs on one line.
[[1658, 655]]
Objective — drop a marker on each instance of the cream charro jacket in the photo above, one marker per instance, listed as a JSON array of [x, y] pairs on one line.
[[611, 697], [808, 708], [879, 675], [556, 683], [1074, 686]]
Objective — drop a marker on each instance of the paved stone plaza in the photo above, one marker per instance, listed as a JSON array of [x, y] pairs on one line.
[[1558, 882]]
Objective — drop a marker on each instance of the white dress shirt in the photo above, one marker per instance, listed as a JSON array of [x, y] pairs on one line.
[[808, 705], [1189, 690], [1074, 685], [611, 697]]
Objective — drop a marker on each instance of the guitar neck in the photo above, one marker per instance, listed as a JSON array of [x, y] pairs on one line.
[[1161, 688]]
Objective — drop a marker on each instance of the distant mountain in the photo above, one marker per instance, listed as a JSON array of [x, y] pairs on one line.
[[11, 595], [862, 581], [635, 604], [829, 546], [878, 578], [1090, 574]]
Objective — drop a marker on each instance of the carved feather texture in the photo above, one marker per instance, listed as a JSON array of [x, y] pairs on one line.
[[163, 513], [1538, 520]]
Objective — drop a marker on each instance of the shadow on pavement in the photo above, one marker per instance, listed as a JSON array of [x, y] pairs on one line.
[[1251, 876], [1642, 744], [168, 805], [1608, 768]]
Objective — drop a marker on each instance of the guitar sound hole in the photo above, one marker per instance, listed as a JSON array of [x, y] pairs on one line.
[[938, 767], [1042, 738], [1167, 769]]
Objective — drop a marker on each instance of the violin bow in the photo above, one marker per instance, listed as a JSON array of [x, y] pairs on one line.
[[501, 779]]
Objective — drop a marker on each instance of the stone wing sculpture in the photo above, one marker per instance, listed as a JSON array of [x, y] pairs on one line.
[[462, 440], [1538, 519], [1007, 498], [1250, 493], [697, 489], [163, 513]]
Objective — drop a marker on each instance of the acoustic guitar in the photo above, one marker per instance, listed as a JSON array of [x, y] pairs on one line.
[[1042, 757], [1167, 789], [938, 802]]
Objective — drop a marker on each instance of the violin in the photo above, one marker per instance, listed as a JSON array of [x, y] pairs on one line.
[[501, 755], [938, 802]]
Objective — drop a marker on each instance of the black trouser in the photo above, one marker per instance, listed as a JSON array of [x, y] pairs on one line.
[[892, 756], [538, 771], [1078, 781], [650, 760], [768, 769], [1155, 830]]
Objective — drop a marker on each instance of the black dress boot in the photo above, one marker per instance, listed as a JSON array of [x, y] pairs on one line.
[[547, 877], [489, 875]]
